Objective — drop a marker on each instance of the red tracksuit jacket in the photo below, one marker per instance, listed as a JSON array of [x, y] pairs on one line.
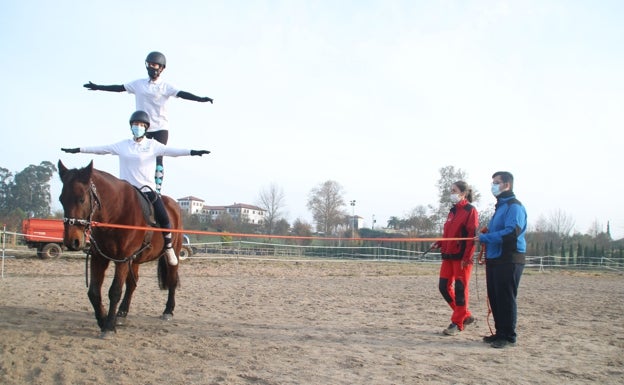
[[462, 222]]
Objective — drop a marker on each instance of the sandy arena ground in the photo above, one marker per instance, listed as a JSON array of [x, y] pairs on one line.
[[280, 322]]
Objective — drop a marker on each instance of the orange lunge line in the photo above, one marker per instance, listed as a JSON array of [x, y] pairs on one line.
[[110, 225]]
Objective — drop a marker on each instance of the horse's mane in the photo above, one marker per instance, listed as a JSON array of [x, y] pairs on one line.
[[105, 174]]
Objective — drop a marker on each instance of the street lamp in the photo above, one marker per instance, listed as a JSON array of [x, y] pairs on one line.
[[352, 203]]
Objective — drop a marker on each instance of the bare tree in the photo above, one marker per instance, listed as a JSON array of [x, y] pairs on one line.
[[560, 223], [448, 176], [596, 228], [326, 203], [541, 225], [420, 221], [272, 200], [302, 229]]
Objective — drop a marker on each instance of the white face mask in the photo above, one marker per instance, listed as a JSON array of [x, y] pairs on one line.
[[496, 189], [137, 131], [455, 198]]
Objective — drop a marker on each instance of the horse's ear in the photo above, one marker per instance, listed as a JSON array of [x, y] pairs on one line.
[[85, 173], [62, 169]]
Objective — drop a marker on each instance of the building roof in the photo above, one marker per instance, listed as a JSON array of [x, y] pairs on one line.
[[191, 198], [244, 206]]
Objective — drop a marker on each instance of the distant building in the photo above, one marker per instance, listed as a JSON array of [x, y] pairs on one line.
[[191, 204], [246, 213], [356, 221], [238, 211]]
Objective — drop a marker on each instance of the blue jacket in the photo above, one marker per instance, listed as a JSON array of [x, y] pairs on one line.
[[505, 239]]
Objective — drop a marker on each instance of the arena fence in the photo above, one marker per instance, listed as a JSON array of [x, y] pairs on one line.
[[343, 250], [260, 250]]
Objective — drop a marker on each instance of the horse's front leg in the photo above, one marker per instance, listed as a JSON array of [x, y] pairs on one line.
[[131, 283], [114, 296], [98, 268]]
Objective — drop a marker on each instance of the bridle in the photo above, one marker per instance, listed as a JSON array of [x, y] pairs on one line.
[[94, 203]]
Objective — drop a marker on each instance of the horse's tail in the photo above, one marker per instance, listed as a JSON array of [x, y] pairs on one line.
[[165, 280]]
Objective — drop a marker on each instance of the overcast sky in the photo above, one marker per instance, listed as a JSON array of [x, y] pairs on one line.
[[376, 95]]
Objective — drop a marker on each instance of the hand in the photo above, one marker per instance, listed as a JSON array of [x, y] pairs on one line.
[[91, 86], [205, 99], [199, 152], [435, 245], [71, 150]]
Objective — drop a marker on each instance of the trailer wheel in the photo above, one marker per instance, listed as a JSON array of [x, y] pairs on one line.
[[185, 252], [50, 250]]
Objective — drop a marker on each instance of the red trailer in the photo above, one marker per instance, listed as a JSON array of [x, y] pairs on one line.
[[45, 235]]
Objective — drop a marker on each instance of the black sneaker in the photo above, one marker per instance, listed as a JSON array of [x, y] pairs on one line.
[[469, 320], [451, 330], [490, 339], [502, 343]]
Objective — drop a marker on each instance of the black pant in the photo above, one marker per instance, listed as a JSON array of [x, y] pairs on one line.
[[502, 288], [159, 210], [161, 136]]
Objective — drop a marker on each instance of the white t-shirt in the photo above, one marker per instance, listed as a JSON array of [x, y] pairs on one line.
[[151, 97], [137, 160]]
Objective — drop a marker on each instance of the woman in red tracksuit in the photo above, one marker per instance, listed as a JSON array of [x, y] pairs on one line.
[[462, 222]]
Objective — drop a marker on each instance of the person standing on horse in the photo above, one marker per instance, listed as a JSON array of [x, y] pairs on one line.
[[151, 96], [137, 159]]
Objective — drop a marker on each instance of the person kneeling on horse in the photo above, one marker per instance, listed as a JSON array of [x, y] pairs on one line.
[[137, 160]]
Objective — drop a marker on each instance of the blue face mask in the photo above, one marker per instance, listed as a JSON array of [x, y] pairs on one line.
[[496, 190], [137, 131]]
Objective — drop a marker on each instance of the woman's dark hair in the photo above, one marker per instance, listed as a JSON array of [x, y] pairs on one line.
[[465, 188]]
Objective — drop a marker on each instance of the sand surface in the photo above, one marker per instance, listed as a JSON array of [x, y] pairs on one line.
[[307, 322]]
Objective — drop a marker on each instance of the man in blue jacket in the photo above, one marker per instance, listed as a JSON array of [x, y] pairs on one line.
[[505, 258]]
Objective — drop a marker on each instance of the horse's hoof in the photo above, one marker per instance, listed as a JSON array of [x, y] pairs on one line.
[[107, 334], [166, 317], [120, 321]]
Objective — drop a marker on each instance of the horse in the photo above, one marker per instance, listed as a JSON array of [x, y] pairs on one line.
[[90, 196]]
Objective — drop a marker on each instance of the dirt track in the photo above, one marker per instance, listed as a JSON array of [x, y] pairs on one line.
[[268, 322]]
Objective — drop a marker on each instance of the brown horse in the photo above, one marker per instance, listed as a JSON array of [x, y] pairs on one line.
[[90, 195]]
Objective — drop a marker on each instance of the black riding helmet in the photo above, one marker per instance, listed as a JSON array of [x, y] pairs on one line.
[[157, 58], [140, 116]]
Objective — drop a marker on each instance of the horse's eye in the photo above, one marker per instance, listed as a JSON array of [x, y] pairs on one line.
[[81, 200]]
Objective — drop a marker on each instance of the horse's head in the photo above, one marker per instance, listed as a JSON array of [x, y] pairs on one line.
[[79, 201]]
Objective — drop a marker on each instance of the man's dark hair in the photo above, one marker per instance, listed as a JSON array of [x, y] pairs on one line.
[[505, 176]]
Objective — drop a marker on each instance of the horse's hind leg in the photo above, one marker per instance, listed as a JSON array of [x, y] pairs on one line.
[[98, 268], [131, 283], [169, 280]]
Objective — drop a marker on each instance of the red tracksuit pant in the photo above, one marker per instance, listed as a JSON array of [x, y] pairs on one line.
[[453, 285]]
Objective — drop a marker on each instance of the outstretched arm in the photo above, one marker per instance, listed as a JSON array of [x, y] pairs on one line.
[[190, 96], [112, 88]]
